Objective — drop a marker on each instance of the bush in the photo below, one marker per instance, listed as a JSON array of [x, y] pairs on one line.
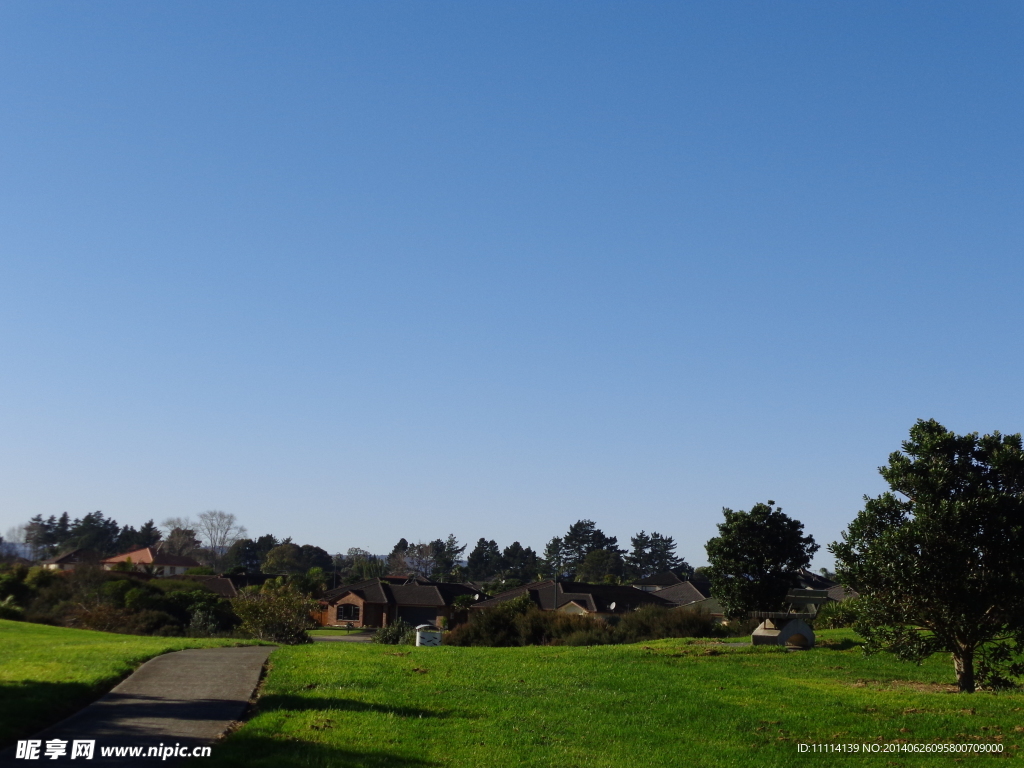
[[275, 614], [393, 634], [519, 622], [652, 622], [836, 615], [10, 610]]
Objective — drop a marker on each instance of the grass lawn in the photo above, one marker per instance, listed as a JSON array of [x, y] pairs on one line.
[[335, 631], [665, 703], [47, 673]]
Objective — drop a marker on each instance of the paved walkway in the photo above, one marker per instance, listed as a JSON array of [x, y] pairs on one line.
[[188, 697]]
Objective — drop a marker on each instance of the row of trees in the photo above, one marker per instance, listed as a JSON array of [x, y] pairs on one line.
[[584, 553]]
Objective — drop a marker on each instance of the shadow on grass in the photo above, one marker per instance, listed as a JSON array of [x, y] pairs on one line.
[[839, 645], [29, 706], [299, 703], [243, 751]]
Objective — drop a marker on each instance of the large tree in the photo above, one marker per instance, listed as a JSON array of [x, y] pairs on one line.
[[446, 554], [582, 538], [755, 557], [484, 562], [519, 562], [219, 530], [653, 554], [939, 559]]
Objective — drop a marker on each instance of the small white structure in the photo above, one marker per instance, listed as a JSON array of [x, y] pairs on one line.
[[428, 635]]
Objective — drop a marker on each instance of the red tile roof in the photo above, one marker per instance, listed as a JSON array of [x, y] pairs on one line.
[[150, 556]]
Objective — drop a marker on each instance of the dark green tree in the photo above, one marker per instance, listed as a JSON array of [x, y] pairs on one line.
[[653, 554], [600, 565], [484, 562], [62, 531], [638, 561], [94, 531], [311, 556], [553, 559], [446, 554], [939, 559], [286, 558], [755, 557], [663, 555], [519, 562], [582, 538]]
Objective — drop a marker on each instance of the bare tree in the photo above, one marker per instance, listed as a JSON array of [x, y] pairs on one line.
[[179, 537], [219, 530], [419, 558]]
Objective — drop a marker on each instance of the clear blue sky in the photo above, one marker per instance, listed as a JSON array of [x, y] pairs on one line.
[[356, 271]]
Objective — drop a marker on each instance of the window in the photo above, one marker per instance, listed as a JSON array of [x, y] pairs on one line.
[[172, 570], [348, 612]]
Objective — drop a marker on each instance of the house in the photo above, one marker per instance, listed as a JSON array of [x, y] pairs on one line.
[[380, 602], [69, 560], [150, 560], [219, 585], [694, 595], [601, 600], [659, 581]]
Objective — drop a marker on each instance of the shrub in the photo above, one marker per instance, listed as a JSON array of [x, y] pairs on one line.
[[836, 615], [10, 610], [519, 622], [393, 634], [275, 614], [652, 622]]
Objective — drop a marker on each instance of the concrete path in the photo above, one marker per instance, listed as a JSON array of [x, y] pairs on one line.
[[187, 698]]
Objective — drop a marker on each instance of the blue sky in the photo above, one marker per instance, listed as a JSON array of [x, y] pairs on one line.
[[356, 271]]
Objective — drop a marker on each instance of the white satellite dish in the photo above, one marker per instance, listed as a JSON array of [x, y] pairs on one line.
[[476, 596], [611, 607]]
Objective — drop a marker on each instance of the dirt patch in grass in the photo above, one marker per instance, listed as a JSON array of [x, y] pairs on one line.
[[905, 685]]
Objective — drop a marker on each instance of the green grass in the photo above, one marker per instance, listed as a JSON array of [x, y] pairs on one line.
[[48, 673], [665, 703], [335, 631]]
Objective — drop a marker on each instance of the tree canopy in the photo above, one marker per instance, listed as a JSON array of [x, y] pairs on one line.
[[939, 558], [755, 557]]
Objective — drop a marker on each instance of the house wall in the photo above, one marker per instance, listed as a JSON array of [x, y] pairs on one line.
[[377, 614], [370, 614]]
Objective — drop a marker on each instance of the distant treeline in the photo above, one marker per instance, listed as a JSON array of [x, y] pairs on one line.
[[217, 541]]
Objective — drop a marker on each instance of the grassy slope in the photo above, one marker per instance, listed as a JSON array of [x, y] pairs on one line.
[[665, 703], [47, 673]]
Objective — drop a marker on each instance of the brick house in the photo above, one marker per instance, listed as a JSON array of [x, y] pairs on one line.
[[379, 602]]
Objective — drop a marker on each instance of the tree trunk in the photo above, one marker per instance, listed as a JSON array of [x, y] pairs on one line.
[[963, 663]]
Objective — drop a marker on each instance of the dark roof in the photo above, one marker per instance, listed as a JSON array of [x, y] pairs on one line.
[[596, 598], [840, 593], [663, 579], [412, 592], [219, 585], [74, 556], [810, 580], [686, 593]]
